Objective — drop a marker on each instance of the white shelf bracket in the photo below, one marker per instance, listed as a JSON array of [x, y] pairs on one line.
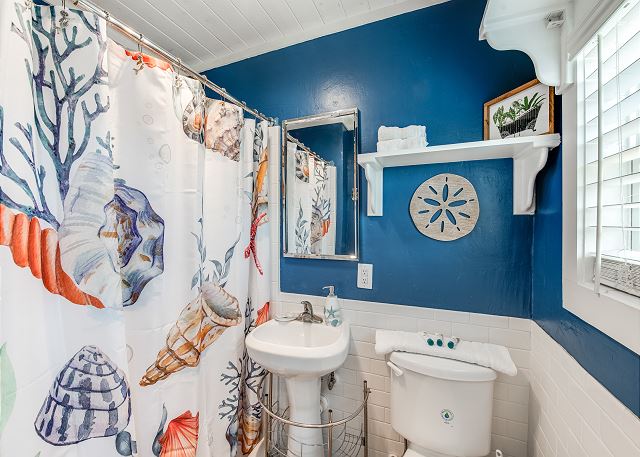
[[526, 166], [503, 24], [373, 171]]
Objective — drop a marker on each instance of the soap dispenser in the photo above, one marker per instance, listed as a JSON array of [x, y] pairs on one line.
[[332, 312]]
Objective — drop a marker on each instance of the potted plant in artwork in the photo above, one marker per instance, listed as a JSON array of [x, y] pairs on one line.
[[518, 112], [522, 115]]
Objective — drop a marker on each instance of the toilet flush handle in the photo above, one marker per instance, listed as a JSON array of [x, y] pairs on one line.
[[396, 370]]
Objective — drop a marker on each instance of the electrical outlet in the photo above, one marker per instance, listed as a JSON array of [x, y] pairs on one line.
[[365, 276]]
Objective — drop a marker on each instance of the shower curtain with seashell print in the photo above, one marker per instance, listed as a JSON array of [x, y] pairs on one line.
[[134, 249]]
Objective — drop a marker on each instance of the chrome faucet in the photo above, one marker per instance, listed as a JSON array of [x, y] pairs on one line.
[[307, 315]]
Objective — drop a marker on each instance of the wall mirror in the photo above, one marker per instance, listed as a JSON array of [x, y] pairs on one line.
[[320, 186]]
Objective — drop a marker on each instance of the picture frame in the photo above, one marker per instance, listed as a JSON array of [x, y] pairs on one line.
[[526, 110]]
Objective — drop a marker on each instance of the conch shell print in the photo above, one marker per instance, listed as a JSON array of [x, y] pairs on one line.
[[88, 399], [181, 437], [222, 124], [37, 248], [110, 238], [200, 323], [248, 432], [193, 115]]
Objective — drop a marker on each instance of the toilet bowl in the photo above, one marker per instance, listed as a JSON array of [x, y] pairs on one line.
[[442, 407]]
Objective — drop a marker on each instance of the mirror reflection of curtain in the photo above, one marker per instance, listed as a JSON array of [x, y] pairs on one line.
[[311, 203], [323, 198]]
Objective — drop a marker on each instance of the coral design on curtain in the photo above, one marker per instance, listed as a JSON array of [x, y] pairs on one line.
[[109, 198]]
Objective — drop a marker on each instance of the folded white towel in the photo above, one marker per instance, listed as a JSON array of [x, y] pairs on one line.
[[485, 354], [401, 144], [399, 133]]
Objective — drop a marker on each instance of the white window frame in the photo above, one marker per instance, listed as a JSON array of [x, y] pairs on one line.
[[611, 311]]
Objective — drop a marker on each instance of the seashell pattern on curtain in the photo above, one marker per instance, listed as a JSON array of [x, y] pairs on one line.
[[124, 188]]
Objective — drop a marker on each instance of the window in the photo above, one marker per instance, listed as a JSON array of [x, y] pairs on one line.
[[601, 175], [609, 160]]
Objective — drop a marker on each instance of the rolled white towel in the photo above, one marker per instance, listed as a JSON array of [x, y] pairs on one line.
[[389, 145], [401, 144], [400, 133], [414, 143]]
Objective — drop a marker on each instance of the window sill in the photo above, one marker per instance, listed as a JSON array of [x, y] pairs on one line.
[[614, 313]]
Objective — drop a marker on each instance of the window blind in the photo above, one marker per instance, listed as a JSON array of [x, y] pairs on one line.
[[609, 94]]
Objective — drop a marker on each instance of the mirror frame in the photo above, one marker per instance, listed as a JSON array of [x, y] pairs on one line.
[[355, 194]]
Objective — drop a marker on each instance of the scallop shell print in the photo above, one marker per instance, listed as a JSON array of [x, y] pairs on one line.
[[111, 239], [200, 323], [181, 437], [88, 399]]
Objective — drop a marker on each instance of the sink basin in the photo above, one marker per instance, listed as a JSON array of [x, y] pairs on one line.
[[297, 348], [300, 353]]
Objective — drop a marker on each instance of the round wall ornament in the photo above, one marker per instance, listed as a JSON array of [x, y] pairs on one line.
[[445, 207]]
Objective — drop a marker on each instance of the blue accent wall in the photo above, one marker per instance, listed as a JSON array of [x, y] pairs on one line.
[[425, 67], [613, 365]]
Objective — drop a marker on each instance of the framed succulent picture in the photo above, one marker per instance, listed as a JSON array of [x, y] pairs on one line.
[[524, 111]]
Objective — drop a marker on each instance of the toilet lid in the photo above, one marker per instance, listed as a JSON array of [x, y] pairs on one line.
[[438, 367]]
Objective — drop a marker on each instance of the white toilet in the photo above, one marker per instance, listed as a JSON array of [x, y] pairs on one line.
[[442, 407]]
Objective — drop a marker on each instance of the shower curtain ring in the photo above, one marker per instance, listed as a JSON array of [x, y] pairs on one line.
[[64, 17], [139, 61], [177, 80]]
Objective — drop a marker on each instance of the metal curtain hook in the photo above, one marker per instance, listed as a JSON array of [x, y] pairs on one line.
[[177, 79], [139, 61], [64, 17]]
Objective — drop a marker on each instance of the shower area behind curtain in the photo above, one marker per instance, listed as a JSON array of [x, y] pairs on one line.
[[133, 249]]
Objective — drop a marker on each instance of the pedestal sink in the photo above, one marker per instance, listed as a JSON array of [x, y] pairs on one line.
[[301, 353]]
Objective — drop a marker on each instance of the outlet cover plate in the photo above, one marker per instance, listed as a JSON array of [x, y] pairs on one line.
[[365, 276]]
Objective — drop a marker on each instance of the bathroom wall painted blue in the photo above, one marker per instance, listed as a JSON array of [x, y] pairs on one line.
[[422, 67], [615, 366]]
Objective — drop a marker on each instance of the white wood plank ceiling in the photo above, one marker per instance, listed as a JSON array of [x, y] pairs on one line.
[[211, 33]]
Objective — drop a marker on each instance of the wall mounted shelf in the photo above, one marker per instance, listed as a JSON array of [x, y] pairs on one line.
[[529, 156]]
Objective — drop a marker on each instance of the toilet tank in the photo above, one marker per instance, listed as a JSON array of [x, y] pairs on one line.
[[442, 405]]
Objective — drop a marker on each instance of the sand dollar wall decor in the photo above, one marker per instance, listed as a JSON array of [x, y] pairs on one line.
[[445, 207]]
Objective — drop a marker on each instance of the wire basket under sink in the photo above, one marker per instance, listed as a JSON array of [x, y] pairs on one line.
[[346, 437]]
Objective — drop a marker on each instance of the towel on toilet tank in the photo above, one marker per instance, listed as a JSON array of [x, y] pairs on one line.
[[488, 355]]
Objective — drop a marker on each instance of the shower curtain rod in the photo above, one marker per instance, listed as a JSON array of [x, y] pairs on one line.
[[302, 146], [176, 62]]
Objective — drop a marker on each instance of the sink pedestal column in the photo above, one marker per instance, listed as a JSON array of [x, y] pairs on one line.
[[304, 407]]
